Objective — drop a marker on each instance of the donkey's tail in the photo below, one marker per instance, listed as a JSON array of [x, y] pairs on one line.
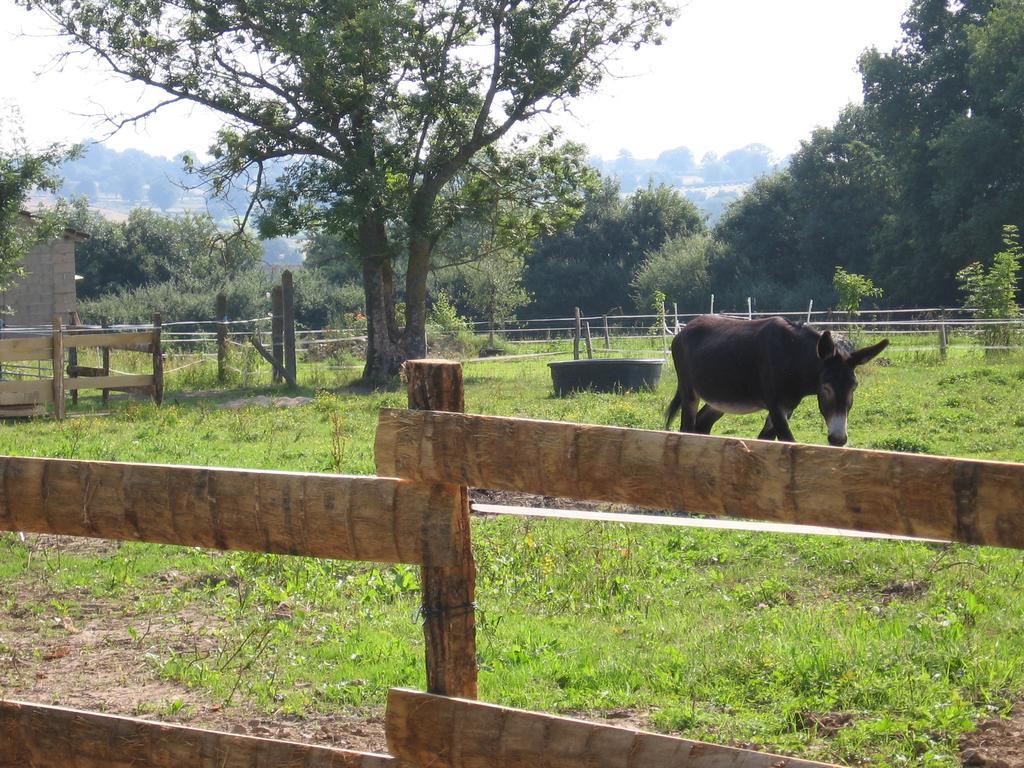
[[673, 409]]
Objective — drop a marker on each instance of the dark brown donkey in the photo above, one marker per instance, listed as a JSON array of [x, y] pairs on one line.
[[743, 366]]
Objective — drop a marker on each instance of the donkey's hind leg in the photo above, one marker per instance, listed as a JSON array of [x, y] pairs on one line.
[[706, 418], [688, 422]]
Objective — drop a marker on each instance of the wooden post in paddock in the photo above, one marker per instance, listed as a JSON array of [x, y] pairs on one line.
[[277, 330], [577, 331], [449, 610], [158, 361], [221, 312], [73, 357], [58, 369], [105, 364], [942, 333], [288, 322]]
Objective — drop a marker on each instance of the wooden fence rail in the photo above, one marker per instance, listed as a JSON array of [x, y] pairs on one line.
[[31, 398], [292, 513], [969, 501], [422, 731], [55, 737], [443, 732]]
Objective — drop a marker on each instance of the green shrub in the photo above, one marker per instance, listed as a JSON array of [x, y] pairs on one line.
[[680, 270], [318, 302], [993, 291]]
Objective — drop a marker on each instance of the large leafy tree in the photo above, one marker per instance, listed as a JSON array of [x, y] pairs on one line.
[[383, 105], [949, 118]]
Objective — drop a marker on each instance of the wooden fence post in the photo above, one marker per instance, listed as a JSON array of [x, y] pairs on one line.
[[577, 330], [288, 321], [73, 372], [942, 334], [58, 368], [105, 364], [607, 337], [221, 313], [158, 361], [449, 610], [277, 328], [586, 337]]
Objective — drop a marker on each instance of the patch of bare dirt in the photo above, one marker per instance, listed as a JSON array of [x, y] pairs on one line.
[[88, 659], [47, 545], [826, 724], [903, 590], [637, 719], [996, 743]]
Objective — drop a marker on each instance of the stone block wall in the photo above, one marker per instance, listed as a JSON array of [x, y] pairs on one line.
[[47, 288]]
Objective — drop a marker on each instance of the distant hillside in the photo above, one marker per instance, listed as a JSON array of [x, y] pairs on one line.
[[117, 181], [711, 183]]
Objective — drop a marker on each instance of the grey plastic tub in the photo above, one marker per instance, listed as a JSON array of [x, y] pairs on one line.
[[605, 375]]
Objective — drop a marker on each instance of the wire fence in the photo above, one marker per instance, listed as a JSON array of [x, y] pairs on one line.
[[191, 346]]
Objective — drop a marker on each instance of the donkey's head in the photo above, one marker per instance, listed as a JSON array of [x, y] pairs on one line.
[[836, 382]]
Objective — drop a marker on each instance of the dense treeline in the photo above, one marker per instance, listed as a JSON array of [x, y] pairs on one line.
[[908, 188]]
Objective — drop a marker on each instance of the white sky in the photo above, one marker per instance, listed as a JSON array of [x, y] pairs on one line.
[[730, 73]]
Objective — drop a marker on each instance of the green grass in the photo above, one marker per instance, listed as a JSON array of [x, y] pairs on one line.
[[733, 637]]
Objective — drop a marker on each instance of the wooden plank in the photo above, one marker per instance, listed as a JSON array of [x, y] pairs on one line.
[[679, 522], [54, 737], [110, 340], [15, 350], [442, 732], [84, 370], [122, 381], [970, 501], [294, 513], [449, 592], [13, 412], [33, 397], [37, 391]]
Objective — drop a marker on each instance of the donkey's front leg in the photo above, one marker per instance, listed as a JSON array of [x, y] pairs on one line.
[[767, 431], [779, 418]]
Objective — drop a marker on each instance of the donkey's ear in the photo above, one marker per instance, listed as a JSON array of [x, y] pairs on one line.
[[861, 356], [826, 347]]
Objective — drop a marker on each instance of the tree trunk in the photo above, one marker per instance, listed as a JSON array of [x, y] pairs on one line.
[[384, 353], [414, 339], [388, 346]]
